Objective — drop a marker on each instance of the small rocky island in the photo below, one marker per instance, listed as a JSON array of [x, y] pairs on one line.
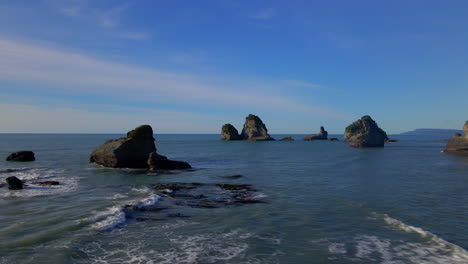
[[136, 150], [322, 135], [365, 133], [25, 155], [458, 144], [254, 130]]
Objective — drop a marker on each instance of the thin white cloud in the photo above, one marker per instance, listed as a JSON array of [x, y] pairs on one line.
[[264, 14], [74, 73], [111, 18], [70, 11]]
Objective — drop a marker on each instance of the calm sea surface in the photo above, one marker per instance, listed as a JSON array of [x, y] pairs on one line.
[[324, 203]]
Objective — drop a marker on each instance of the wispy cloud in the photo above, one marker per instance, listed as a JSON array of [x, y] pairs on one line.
[[110, 18], [264, 14], [75, 73]]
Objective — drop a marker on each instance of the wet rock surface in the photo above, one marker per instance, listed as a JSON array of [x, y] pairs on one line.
[[14, 183], [25, 155]]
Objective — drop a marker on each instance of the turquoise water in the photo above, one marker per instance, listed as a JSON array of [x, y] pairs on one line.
[[324, 203]]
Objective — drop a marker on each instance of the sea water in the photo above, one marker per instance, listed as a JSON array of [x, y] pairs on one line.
[[323, 202]]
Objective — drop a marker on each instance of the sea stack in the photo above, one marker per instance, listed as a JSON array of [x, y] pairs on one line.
[[254, 129], [14, 183], [132, 151], [25, 155], [458, 144], [229, 132], [365, 133], [322, 135]]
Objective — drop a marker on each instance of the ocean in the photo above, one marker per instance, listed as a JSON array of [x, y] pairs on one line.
[[313, 202]]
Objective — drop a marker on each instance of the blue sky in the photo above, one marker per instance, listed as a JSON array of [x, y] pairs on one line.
[[191, 66]]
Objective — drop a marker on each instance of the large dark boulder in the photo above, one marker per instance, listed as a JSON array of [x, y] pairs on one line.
[[365, 133], [160, 162], [229, 132], [131, 151], [322, 135], [254, 129], [25, 155], [14, 183], [458, 144]]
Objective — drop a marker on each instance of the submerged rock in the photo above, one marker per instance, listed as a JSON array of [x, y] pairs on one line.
[[25, 155], [134, 151], [159, 162], [333, 139], [229, 132], [49, 183], [389, 140], [458, 144], [235, 176], [287, 139], [322, 135], [254, 129], [365, 133], [14, 183]]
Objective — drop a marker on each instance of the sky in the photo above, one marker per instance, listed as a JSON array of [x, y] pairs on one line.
[[107, 66]]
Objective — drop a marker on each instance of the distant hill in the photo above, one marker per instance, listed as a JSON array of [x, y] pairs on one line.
[[432, 131]]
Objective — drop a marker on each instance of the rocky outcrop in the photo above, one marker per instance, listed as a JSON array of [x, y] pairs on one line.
[[365, 133], [458, 144], [229, 132], [322, 135], [25, 155], [254, 129], [14, 183], [287, 139], [159, 162], [132, 151]]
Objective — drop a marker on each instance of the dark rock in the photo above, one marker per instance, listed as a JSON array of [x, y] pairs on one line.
[[254, 129], [25, 155], [159, 162], [391, 140], [457, 135], [458, 144], [365, 133], [322, 135], [229, 132], [333, 139], [235, 187], [48, 183], [287, 139], [235, 176], [127, 152], [14, 183], [140, 219]]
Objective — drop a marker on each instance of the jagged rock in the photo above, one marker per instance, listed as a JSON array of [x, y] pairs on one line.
[[254, 129], [14, 183], [131, 151], [159, 162], [458, 144], [287, 139], [25, 155], [365, 133], [333, 139], [229, 132], [322, 135]]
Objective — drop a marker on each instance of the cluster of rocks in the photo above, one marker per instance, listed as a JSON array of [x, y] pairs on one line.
[[136, 150], [322, 135], [14, 183], [254, 130], [458, 144]]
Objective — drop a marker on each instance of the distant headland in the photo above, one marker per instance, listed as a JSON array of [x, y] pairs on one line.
[[432, 132]]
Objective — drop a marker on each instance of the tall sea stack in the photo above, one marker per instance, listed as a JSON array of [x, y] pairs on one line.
[[254, 130], [365, 133]]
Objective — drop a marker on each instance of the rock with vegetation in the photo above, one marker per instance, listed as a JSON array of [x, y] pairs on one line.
[[160, 162], [365, 133], [14, 183], [322, 135], [132, 151], [24, 155], [287, 139], [229, 132], [458, 144], [254, 129]]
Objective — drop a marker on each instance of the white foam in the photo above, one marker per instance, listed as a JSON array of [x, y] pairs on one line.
[[110, 218], [337, 248]]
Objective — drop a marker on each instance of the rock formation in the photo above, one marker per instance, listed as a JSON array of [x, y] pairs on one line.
[[159, 162], [21, 156], [333, 139], [287, 139], [322, 135], [229, 132], [458, 144], [254, 129], [132, 151], [14, 183], [365, 133]]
